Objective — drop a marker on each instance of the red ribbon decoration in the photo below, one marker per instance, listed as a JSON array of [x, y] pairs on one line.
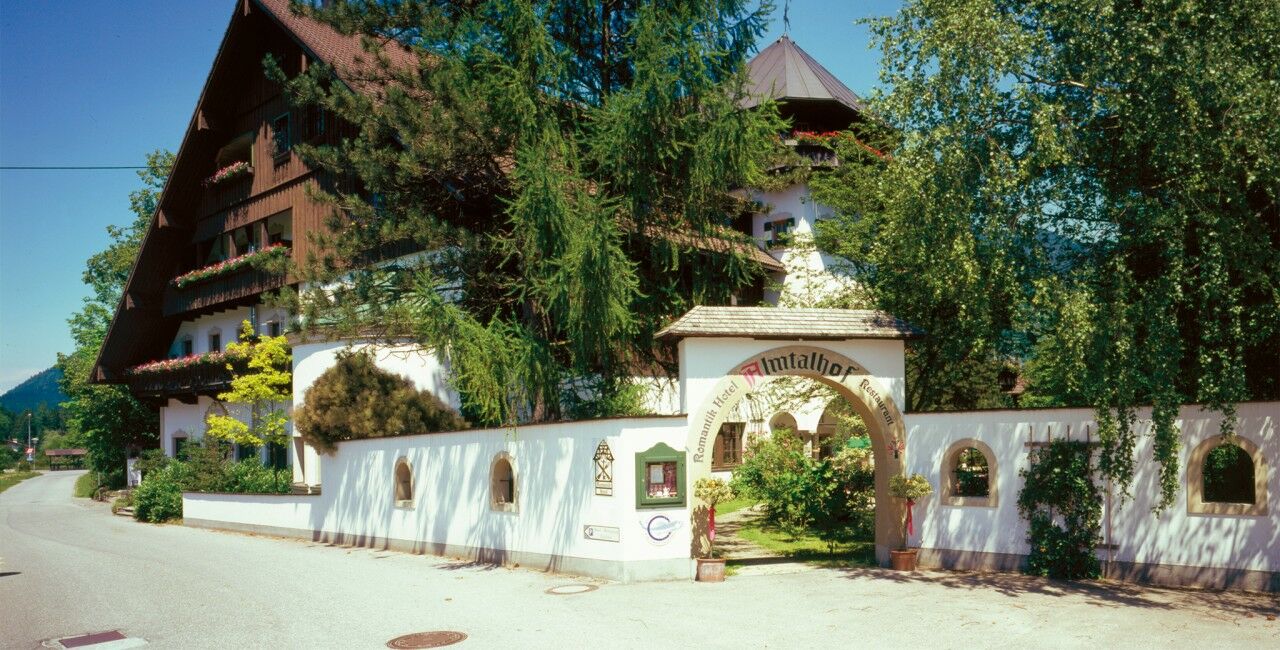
[[911, 529], [711, 534]]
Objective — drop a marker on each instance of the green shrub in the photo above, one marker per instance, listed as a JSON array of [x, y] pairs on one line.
[[204, 465], [87, 485], [775, 470], [355, 399], [151, 460], [911, 488], [833, 498], [159, 497], [207, 468], [1061, 502], [251, 476], [842, 498], [24, 465]]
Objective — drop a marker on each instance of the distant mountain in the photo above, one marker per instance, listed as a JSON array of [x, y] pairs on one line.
[[40, 389]]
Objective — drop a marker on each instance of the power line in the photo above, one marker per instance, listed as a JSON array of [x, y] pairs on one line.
[[67, 167]]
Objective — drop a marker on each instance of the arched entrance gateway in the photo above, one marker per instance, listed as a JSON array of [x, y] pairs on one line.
[[728, 352]]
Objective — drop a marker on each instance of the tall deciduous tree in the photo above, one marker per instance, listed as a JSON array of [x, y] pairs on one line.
[[260, 393], [1126, 155], [107, 417], [568, 163]]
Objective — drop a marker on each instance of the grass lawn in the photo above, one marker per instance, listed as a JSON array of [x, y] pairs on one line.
[[86, 485], [8, 480], [808, 548], [734, 505]]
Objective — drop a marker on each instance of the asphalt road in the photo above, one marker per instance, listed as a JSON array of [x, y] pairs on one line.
[[70, 567]]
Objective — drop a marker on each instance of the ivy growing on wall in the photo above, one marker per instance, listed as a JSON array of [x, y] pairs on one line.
[[1062, 504]]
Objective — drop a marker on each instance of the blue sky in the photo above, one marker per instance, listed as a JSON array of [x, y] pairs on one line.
[[86, 82]]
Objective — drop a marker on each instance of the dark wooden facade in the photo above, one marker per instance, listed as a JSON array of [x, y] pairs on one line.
[[239, 116]]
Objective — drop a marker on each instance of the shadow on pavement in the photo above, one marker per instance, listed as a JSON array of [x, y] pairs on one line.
[[1102, 594]]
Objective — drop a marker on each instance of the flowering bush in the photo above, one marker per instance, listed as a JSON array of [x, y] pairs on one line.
[[234, 170], [829, 139], [813, 137], [255, 258], [165, 365]]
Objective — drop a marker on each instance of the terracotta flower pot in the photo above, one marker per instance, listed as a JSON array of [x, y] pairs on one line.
[[903, 560], [710, 569]]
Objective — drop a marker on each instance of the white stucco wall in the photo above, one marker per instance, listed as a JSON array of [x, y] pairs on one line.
[[424, 368], [661, 394], [705, 361], [1175, 537], [188, 420], [555, 477], [811, 274], [228, 324]]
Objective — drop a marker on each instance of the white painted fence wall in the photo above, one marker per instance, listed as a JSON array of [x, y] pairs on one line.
[[451, 514], [1188, 548]]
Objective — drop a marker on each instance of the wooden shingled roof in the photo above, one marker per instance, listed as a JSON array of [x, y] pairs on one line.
[[343, 52], [783, 71], [803, 324]]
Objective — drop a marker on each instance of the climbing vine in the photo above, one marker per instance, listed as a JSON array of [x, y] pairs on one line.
[[1062, 505]]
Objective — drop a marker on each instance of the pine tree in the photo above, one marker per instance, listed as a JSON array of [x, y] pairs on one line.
[[567, 163]]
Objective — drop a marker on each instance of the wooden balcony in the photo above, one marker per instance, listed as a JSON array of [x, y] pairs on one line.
[[183, 384], [221, 292], [223, 195]]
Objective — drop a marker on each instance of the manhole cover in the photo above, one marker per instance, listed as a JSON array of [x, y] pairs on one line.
[[569, 590], [435, 639]]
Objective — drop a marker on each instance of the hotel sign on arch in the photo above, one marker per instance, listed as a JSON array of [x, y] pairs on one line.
[[814, 361], [784, 362]]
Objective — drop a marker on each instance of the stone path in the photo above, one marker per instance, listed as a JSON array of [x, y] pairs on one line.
[[730, 545], [748, 558]]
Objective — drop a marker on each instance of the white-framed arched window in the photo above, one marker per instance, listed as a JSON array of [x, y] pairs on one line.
[[1227, 476], [969, 474], [504, 491]]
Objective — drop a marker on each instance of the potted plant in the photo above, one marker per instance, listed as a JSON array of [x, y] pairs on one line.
[[711, 490], [910, 488]]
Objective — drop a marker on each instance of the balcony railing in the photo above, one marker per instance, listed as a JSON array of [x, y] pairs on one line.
[[218, 291], [183, 383]]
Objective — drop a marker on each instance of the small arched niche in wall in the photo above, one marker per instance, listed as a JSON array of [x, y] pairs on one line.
[[969, 475], [504, 492], [1227, 476], [403, 483]]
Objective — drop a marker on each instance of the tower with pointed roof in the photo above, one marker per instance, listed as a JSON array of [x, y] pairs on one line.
[[808, 94], [812, 100]]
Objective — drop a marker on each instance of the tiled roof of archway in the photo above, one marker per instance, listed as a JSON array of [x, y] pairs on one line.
[[801, 324]]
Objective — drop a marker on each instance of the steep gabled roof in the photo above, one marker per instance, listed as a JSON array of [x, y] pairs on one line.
[[783, 71], [344, 53]]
